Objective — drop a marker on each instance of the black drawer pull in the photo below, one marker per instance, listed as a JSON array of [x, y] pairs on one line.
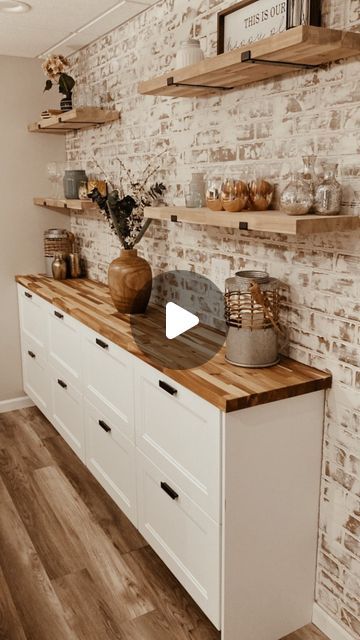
[[165, 487], [167, 388], [28, 295], [102, 344], [31, 354], [62, 384], [104, 426], [59, 315]]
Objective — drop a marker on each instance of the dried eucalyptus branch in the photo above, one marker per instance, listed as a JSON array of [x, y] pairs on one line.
[[142, 231], [126, 214]]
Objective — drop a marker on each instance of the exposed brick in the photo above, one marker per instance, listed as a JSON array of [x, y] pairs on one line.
[[267, 125]]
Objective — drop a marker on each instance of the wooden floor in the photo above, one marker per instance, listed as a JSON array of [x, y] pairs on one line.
[[71, 564]]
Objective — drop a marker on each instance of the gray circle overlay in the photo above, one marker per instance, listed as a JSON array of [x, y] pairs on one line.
[[198, 295]]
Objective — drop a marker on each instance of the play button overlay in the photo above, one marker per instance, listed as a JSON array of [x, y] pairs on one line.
[[184, 325], [178, 320]]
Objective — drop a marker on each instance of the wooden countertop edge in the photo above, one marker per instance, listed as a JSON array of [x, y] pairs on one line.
[[224, 403], [299, 389]]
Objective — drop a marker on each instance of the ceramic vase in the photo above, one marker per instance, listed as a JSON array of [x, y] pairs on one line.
[[130, 282]]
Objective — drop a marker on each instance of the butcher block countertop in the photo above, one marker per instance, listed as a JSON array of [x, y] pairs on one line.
[[227, 387]]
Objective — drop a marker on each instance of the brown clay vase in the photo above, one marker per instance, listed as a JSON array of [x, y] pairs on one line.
[[130, 282]]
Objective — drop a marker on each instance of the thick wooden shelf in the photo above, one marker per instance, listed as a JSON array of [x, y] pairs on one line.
[[65, 205], [82, 118], [269, 221], [300, 46]]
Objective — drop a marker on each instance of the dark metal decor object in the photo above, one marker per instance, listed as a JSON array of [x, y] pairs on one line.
[[297, 12]]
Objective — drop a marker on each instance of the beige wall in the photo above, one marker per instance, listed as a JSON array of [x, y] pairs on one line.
[[22, 175]]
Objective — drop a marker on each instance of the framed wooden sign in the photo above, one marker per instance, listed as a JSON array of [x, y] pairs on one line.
[[251, 20]]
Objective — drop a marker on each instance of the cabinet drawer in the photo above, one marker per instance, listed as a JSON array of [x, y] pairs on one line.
[[184, 537], [111, 458], [181, 434], [65, 345], [33, 318], [108, 378], [67, 411], [35, 375]]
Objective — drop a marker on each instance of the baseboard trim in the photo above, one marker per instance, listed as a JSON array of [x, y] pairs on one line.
[[15, 403], [328, 626]]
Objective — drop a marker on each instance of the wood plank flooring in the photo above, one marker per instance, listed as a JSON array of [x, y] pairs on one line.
[[72, 567]]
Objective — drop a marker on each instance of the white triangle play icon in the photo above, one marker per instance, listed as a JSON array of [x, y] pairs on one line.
[[178, 320]]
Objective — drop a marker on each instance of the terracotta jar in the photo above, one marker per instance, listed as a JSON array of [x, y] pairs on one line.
[[130, 282]]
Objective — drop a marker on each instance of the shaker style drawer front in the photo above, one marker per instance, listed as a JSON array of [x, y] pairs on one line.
[[65, 345], [33, 318], [67, 411], [108, 380], [184, 537], [35, 375], [181, 434], [110, 456]]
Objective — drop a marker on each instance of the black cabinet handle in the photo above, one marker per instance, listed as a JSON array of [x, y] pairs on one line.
[[62, 384], [59, 315], [165, 487], [28, 295], [102, 344], [104, 426], [167, 388], [31, 354]]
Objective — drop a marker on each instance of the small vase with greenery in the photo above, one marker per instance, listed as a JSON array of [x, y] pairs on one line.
[[130, 276], [55, 69]]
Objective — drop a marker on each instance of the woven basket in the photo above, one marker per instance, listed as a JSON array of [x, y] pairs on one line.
[[57, 241]]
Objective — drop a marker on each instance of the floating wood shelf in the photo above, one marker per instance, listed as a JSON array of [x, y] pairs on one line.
[[269, 221], [66, 205], [301, 47], [82, 118]]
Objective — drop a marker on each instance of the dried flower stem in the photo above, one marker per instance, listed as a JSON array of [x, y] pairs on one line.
[[102, 171]]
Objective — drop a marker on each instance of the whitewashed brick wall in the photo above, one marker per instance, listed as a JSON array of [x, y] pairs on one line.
[[271, 123]]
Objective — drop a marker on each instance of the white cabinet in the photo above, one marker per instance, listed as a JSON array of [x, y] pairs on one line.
[[228, 501], [181, 434], [110, 457], [35, 375], [67, 411], [65, 345], [108, 380], [33, 320], [184, 537]]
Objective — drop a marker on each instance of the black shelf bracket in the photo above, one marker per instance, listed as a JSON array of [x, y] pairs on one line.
[[247, 57], [170, 83]]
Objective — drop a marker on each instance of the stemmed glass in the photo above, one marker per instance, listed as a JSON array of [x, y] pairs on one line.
[[55, 172], [53, 177]]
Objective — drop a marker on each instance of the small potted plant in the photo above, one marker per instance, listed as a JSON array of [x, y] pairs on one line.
[[130, 276], [55, 69]]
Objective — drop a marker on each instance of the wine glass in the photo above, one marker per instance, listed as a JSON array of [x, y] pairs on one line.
[[60, 172], [53, 177]]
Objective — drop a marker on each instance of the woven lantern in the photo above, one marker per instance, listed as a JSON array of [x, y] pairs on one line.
[[252, 305]]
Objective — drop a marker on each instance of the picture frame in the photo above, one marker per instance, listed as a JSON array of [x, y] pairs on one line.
[[248, 21]]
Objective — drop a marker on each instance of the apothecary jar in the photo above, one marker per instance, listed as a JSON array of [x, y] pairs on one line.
[[328, 191], [297, 197]]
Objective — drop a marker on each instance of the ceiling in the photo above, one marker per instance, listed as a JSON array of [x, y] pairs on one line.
[[44, 29]]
